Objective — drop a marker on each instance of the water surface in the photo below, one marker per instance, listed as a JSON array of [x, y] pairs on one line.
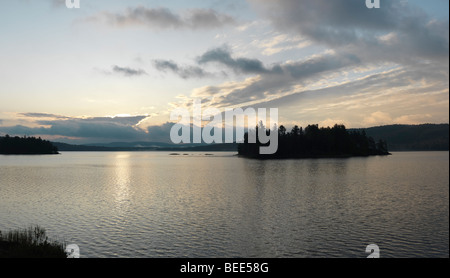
[[154, 204]]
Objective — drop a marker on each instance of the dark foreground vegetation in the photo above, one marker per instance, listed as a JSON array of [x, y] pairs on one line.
[[29, 243], [26, 145], [315, 142]]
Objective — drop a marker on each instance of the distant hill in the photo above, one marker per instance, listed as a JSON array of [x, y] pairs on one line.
[[226, 147], [138, 144], [82, 148], [145, 146], [425, 137]]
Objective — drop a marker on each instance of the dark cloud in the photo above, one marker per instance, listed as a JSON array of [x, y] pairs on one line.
[[239, 65], [319, 64], [272, 81], [128, 71], [223, 56], [395, 32], [357, 36], [102, 128], [183, 72], [163, 18], [160, 133], [342, 16], [207, 18]]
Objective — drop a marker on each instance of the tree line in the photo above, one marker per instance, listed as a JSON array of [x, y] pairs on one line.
[[26, 145], [313, 141]]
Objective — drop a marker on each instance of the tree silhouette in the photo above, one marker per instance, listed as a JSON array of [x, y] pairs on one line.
[[316, 142], [26, 145]]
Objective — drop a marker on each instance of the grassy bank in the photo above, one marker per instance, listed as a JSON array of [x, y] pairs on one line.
[[29, 243]]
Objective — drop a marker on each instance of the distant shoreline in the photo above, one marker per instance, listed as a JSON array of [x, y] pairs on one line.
[[33, 154], [400, 138], [219, 151]]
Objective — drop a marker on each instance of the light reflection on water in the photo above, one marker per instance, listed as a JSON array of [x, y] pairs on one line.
[[153, 204], [121, 184]]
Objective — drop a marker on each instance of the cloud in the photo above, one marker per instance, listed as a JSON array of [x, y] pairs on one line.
[[201, 18], [270, 81], [160, 133], [413, 119], [239, 65], [361, 102], [378, 118], [95, 129], [407, 94], [397, 35], [43, 115], [99, 128], [128, 71], [318, 64], [297, 70], [163, 18], [183, 72], [58, 3], [382, 118], [221, 56], [118, 120], [348, 25], [276, 43]]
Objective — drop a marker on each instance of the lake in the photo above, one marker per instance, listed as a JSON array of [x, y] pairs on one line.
[[202, 205]]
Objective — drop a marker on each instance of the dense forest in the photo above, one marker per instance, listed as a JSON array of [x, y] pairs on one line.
[[424, 137], [26, 145], [315, 142]]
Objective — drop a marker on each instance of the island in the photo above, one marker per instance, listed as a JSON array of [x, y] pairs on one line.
[[26, 145], [315, 142]]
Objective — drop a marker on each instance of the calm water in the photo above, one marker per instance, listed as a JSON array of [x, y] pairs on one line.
[[153, 204]]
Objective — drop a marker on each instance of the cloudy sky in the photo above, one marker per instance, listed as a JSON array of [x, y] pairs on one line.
[[113, 70]]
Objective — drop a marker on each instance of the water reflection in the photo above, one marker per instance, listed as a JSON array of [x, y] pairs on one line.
[[122, 182]]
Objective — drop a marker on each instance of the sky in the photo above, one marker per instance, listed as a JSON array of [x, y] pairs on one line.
[[113, 70]]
